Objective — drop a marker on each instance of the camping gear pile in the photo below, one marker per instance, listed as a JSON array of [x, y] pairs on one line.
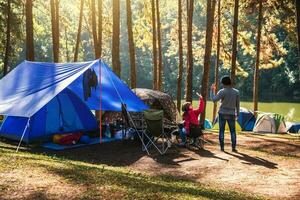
[[154, 100]]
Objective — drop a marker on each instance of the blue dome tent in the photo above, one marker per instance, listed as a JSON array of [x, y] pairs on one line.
[[63, 114], [246, 119], [41, 99]]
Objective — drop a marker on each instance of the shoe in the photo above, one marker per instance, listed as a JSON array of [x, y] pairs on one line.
[[222, 149], [234, 150]]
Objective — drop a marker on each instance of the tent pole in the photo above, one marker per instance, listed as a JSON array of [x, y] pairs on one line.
[[24, 131], [100, 101], [122, 101]]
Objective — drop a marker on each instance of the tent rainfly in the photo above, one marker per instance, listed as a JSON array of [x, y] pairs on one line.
[[36, 86]]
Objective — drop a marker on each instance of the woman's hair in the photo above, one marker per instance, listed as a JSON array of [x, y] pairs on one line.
[[185, 107], [226, 80]]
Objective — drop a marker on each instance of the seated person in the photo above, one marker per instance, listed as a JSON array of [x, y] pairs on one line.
[[190, 116]]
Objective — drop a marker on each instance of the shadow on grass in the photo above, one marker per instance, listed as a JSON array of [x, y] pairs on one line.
[[253, 160], [173, 157], [135, 185], [113, 154], [209, 154]]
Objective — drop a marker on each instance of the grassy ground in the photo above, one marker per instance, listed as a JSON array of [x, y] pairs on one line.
[[28, 175], [290, 110], [263, 168]]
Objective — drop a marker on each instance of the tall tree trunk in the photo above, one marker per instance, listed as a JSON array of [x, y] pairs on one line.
[[154, 46], [79, 31], [100, 28], [94, 28], [116, 38], [55, 28], [180, 56], [256, 70], [208, 45], [218, 59], [66, 45], [160, 67], [234, 41], [298, 30], [7, 46], [131, 46], [189, 77], [29, 31]]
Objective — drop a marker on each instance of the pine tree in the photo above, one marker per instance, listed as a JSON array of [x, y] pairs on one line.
[[8, 33], [55, 28], [154, 45], [160, 65], [94, 28], [99, 38], [189, 77], [29, 31], [116, 38], [218, 58], [256, 70], [79, 31], [131, 46], [180, 56], [234, 41]]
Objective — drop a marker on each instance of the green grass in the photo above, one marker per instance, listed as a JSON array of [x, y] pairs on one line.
[[290, 110], [103, 182]]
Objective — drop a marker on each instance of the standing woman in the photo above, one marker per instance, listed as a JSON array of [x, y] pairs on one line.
[[229, 109]]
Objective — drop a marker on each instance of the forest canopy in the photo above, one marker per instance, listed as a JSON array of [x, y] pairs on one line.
[[279, 72]]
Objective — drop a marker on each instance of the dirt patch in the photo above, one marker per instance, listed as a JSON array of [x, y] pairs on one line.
[[263, 166]]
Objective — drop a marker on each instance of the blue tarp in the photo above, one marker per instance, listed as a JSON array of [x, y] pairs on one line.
[[31, 85]]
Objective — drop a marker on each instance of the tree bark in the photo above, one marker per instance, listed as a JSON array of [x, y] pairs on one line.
[[298, 30], [7, 46], [189, 77], [100, 28], [29, 31], [55, 29], [234, 41], [180, 56], [94, 28], [66, 45], [79, 31], [154, 47], [218, 59], [131, 46], [208, 45], [256, 70], [116, 38], [160, 66]]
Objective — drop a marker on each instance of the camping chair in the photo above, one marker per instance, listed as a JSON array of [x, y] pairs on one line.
[[154, 133], [195, 138]]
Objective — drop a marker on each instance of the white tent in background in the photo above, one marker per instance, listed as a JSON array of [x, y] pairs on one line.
[[269, 123]]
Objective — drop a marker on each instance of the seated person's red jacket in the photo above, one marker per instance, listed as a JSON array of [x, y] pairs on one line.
[[191, 116]]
